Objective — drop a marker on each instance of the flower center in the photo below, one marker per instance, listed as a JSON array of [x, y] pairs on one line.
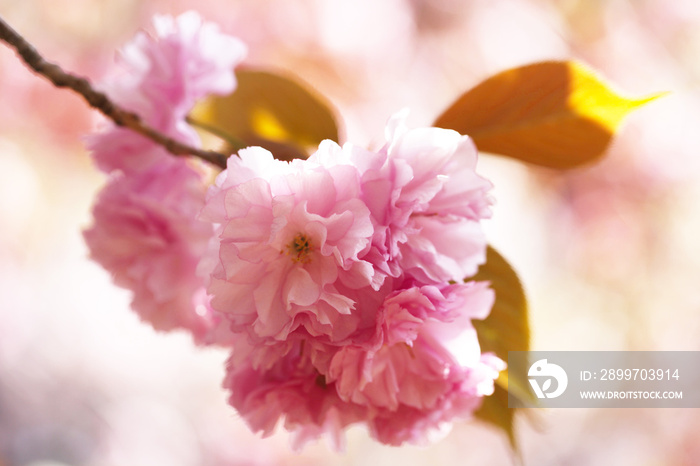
[[300, 248]]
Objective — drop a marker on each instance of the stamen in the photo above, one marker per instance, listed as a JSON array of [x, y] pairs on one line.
[[300, 249]]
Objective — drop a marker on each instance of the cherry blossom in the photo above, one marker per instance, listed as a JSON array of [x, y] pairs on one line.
[[146, 234], [160, 77]]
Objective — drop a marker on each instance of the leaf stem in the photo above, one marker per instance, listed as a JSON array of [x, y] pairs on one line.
[[99, 100], [234, 143]]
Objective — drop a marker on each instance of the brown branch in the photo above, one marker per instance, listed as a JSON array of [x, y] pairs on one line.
[[99, 100]]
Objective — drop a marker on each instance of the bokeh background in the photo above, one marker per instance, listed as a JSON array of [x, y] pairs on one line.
[[608, 254]]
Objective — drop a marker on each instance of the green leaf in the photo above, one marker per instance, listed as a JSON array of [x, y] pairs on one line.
[[270, 110], [505, 329], [557, 114]]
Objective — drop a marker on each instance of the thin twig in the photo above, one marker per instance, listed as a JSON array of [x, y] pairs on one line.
[[99, 100]]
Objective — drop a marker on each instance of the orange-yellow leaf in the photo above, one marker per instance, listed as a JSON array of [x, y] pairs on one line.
[[557, 114], [271, 110], [505, 329]]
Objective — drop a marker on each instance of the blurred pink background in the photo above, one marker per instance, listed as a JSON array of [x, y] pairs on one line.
[[608, 254]]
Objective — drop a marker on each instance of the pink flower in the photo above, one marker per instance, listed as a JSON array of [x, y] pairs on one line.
[[185, 61], [430, 366], [426, 202], [337, 281], [335, 272], [146, 234], [124, 150], [409, 424], [290, 240], [293, 391], [146, 231], [428, 373], [161, 78]]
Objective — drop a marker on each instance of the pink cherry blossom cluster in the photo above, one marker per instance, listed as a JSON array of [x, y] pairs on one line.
[[146, 232], [337, 282]]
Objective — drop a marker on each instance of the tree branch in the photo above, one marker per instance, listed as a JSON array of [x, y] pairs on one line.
[[99, 100]]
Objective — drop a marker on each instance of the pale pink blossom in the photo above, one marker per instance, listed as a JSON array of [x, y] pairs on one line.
[[293, 393], [185, 60], [342, 278], [410, 424], [430, 360], [290, 240], [428, 373], [427, 201], [124, 150], [299, 243], [336, 281], [146, 231], [146, 234], [160, 78]]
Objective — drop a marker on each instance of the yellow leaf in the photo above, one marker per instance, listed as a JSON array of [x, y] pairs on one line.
[[505, 329], [557, 114], [269, 110]]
